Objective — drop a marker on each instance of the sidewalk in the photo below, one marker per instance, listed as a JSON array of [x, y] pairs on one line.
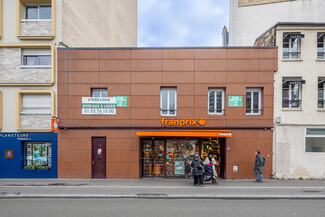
[[161, 188]]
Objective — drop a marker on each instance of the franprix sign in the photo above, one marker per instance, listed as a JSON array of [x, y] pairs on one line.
[[98, 106]]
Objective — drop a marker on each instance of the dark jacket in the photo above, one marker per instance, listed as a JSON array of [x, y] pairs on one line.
[[197, 167], [258, 167]]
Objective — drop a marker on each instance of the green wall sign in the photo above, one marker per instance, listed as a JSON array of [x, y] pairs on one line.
[[235, 101], [121, 101]]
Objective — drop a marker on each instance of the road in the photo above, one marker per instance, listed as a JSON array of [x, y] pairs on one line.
[[159, 207]]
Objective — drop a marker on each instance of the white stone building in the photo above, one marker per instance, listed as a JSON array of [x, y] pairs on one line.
[[250, 18], [299, 99]]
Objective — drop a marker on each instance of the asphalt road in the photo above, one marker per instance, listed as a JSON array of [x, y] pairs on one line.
[[159, 207]]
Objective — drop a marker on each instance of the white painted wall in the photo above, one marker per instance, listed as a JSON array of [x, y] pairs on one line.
[[247, 23], [291, 160]]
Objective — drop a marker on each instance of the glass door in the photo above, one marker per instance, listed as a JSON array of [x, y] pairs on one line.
[[159, 158], [146, 158]]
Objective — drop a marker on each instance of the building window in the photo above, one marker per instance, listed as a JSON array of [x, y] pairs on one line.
[[320, 45], [291, 45], [321, 92], [315, 140], [253, 101], [36, 12], [216, 101], [36, 104], [291, 92], [36, 58], [99, 92], [38, 155], [168, 101]]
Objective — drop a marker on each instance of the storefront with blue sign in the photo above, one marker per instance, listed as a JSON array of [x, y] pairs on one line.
[[28, 155]]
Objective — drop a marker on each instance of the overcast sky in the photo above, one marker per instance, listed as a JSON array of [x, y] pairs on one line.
[[170, 23]]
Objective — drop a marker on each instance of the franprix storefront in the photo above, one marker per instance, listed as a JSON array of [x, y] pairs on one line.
[[168, 153]]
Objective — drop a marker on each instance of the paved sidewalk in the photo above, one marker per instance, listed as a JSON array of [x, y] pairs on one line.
[[161, 188]]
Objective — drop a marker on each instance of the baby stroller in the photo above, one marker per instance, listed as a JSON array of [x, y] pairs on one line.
[[188, 171], [208, 174]]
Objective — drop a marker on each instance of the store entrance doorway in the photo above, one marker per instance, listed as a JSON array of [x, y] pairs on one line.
[[217, 147], [99, 158]]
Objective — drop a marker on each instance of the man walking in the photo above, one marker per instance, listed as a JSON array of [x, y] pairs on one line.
[[258, 167]]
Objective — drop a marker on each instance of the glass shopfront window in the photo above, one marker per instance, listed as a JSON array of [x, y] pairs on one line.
[[38, 156], [172, 157], [179, 153]]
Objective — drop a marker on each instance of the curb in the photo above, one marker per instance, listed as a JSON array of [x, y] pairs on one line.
[[161, 196]]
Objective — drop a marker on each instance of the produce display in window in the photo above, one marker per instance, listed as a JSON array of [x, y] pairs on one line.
[[179, 150], [38, 156], [147, 158]]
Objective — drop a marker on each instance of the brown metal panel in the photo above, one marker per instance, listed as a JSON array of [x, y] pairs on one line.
[[178, 65], [211, 53], [146, 54], [114, 65], [178, 77], [205, 65], [114, 54], [81, 55], [150, 77], [211, 77], [178, 53], [146, 65], [119, 77], [242, 53], [83, 77], [83, 65]]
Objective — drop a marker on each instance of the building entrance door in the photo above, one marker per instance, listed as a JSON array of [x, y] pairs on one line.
[[99, 158]]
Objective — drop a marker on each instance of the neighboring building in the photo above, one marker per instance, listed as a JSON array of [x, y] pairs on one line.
[[299, 99], [175, 102], [249, 18], [30, 32]]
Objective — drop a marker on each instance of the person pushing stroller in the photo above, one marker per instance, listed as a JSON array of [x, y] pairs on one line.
[[211, 161]]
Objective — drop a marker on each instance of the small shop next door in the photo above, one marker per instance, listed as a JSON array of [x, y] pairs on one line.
[[99, 158]]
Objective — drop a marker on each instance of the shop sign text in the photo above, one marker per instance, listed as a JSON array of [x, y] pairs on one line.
[[181, 123], [98, 106], [235, 101]]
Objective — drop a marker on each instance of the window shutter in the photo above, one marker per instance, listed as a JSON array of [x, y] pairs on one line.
[[36, 104]]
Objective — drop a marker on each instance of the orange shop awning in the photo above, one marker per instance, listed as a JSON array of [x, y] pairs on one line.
[[196, 133]]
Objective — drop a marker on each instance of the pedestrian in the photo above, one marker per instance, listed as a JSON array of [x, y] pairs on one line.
[[211, 160], [258, 167], [197, 171]]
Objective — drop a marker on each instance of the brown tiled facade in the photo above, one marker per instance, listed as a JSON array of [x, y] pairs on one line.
[[139, 74]]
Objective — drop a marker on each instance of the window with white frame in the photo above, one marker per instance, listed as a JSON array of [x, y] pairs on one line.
[[36, 58], [168, 101], [315, 140], [291, 45], [36, 104], [291, 92], [253, 101], [321, 92], [216, 101], [99, 92], [36, 12], [320, 45]]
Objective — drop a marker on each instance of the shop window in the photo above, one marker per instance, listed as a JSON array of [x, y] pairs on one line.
[[291, 45], [216, 101], [38, 155], [320, 45], [321, 92], [36, 58], [36, 104], [315, 140], [35, 12], [99, 92], [291, 92], [168, 101], [253, 101]]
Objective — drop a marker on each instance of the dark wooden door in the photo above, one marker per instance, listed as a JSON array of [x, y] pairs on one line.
[[223, 155], [99, 158]]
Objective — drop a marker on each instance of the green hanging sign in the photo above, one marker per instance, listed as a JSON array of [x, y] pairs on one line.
[[235, 101], [121, 101]]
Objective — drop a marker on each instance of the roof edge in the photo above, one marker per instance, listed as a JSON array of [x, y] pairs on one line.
[[147, 48]]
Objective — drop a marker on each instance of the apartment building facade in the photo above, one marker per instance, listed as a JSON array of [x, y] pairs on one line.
[[299, 130], [31, 31]]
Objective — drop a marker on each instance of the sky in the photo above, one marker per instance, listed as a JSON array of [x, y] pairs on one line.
[[179, 23]]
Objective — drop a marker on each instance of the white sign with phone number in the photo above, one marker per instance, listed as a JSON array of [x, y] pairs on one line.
[[98, 106]]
